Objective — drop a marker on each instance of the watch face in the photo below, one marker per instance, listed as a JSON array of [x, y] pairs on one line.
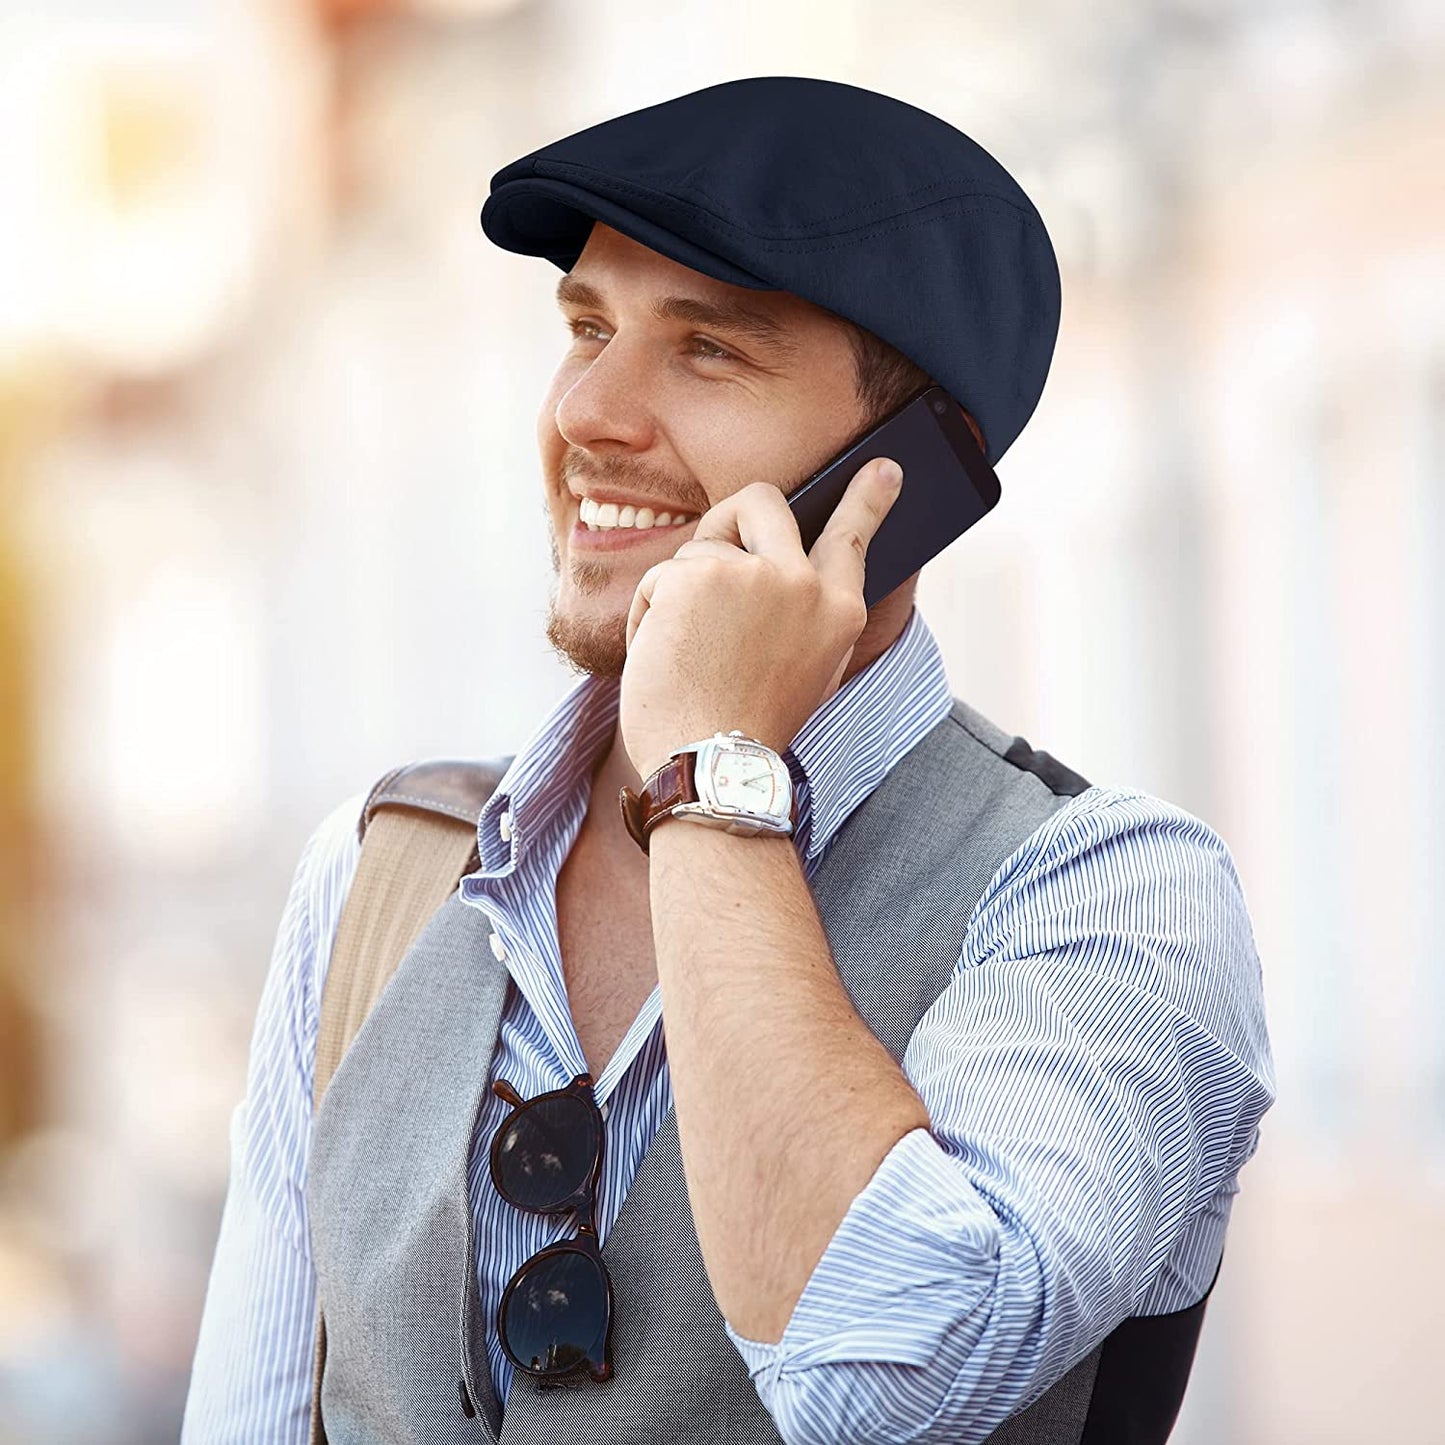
[[743, 777]]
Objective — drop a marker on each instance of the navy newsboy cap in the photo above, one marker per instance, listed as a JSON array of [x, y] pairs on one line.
[[855, 201]]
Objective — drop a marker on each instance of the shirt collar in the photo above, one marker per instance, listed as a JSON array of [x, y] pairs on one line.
[[547, 773], [850, 744], [839, 756]]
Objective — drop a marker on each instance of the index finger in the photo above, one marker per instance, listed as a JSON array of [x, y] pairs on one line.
[[757, 518], [842, 545]]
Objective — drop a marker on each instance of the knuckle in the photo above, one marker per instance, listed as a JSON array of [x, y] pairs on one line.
[[804, 576], [851, 611], [770, 575]]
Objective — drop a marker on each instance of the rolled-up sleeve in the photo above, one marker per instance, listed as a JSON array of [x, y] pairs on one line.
[[1095, 1073], [251, 1375]]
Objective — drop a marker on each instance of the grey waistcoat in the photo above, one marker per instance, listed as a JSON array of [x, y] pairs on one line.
[[386, 1193]]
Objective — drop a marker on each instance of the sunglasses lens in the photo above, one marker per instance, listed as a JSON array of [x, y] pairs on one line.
[[556, 1315], [545, 1155]]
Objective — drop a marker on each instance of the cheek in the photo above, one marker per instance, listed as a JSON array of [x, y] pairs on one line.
[[733, 450]]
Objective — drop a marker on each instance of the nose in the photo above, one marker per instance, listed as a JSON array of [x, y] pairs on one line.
[[609, 401]]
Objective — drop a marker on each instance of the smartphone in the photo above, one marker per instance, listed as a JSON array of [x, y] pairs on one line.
[[947, 487]]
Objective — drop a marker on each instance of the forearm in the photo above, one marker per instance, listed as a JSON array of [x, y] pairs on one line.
[[786, 1103]]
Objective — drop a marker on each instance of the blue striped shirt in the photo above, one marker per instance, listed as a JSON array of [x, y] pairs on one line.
[[1094, 1073]]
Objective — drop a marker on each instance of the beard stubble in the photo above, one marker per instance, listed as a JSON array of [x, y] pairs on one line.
[[592, 646]]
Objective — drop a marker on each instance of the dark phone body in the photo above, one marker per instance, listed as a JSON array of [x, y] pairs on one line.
[[947, 487]]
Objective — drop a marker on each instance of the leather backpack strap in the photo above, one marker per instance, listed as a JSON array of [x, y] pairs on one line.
[[418, 835]]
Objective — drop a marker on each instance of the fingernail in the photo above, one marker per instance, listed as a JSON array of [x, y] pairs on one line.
[[891, 473]]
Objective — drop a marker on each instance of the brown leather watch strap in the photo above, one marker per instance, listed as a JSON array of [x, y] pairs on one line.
[[662, 790]]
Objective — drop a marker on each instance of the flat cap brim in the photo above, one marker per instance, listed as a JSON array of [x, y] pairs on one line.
[[535, 216]]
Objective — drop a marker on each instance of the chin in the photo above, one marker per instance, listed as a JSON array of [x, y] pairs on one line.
[[595, 644]]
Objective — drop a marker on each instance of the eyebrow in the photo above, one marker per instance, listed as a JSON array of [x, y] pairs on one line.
[[731, 316]]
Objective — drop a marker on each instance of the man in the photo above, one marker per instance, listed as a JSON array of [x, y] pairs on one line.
[[958, 1074]]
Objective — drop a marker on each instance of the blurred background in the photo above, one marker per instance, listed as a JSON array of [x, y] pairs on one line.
[[272, 523]]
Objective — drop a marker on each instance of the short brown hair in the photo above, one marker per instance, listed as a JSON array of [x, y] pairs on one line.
[[885, 377]]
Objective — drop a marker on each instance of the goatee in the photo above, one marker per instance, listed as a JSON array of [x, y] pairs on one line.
[[598, 647]]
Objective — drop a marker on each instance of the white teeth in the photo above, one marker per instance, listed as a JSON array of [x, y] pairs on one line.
[[598, 516]]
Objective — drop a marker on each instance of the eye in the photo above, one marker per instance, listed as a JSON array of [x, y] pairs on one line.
[[701, 346], [713, 350]]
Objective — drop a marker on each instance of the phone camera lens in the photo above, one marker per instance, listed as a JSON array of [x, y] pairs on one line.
[[938, 406]]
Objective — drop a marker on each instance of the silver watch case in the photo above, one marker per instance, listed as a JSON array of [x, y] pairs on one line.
[[708, 810]]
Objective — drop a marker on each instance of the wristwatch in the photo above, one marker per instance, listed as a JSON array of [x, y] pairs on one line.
[[728, 781]]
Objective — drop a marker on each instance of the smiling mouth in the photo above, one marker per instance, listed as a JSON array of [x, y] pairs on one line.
[[613, 516], [604, 539]]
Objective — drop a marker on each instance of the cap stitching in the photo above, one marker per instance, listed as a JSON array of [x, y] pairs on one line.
[[911, 221], [789, 242], [783, 242], [837, 215]]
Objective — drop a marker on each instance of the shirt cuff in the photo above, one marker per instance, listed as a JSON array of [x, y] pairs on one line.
[[915, 1253]]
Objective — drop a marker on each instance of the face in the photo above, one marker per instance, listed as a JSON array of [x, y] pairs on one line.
[[666, 401]]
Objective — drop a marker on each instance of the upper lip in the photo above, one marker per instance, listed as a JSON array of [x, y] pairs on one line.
[[607, 494]]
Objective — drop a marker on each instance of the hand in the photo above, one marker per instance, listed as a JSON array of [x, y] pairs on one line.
[[740, 628]]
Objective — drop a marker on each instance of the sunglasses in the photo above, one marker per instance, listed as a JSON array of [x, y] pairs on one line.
[[555, 1316]]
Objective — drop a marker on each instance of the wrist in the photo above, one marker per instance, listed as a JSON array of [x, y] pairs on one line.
[[728, 781], [655, 763], [680, 825]]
